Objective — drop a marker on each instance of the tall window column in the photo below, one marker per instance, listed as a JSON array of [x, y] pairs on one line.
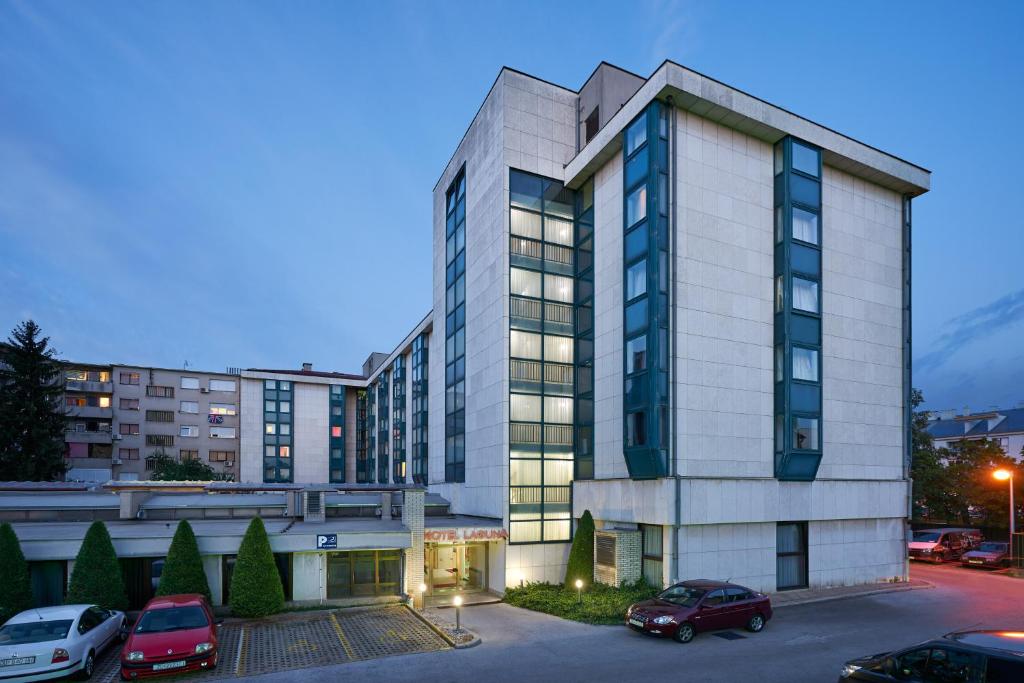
[[336, 419], [277, 431], [645, 294], [541, 359], [584, 436], [798, 294], [455, 332], [419, 408], [371, 432], [398, 420], [383, 433], [363, 468]]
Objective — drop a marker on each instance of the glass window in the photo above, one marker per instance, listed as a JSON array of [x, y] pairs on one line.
[[525, 224], [911, 665], [284, 451], [270, 406], [636, 429], [636, 243], [189, 407], [225, 385], [636, 316], [805, 159], [284, 406], [636, 206], [524, 408], [805, 433], [525, 345], [780, 166], [636, 354], [222, 432], [282, 385], [284, 429], [780, 432], [336, 432], [269, 384], [558, 472], [805, 295], [524, 472], [270, 427], [790, 555], [222, 408], [950, 666], [805, 226], [525, 282], [558, 349], [779, 363], [636, 280], [557, 230], [525, 190], [780, 300], [636, 134], [558, 288], [189, 382], [558, 409], [189, 430], [805, 364]]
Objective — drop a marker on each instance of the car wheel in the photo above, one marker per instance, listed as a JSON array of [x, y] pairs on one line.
[[122, 632], [756, 623], [213, 664], [88, 666], [685, 632], [937, 558]]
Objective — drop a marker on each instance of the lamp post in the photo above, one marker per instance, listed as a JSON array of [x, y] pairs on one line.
[[457, 601], [1007, 475], [423, 594], [579, 591]]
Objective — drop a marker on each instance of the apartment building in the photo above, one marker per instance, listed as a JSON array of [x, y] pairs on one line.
[[1003, 426], [119, 416]]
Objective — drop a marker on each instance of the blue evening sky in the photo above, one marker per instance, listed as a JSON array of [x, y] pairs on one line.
[[249, 183]]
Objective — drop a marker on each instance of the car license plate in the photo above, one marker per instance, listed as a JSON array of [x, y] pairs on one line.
[[17, 661], [976, 561], [636, 622], [168, 665]]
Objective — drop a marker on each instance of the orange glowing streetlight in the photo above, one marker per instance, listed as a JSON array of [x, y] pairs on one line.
[[1007, 475]]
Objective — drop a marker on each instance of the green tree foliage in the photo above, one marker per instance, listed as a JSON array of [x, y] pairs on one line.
[[256, 589], [15, 586], [183, 568], [955, 484], [96, 578], [581, 555], [166, 468], [31, 407]]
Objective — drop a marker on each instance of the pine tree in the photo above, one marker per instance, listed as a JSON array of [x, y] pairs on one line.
[[183, 568], [256, 589], [581, 555], [96, 578], [31, 414], [15, 585]]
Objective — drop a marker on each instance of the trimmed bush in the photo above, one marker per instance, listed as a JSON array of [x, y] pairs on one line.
[[601, 604], [15, 585], [183, 568], [581, 555], [256, 589], [96, 578]]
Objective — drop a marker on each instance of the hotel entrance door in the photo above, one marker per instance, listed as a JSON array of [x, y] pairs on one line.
[[457, 567]]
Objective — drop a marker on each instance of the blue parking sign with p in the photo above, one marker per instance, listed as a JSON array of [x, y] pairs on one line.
[[326, 541]]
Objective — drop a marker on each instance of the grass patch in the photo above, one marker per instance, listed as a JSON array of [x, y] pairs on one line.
[[601, 604]]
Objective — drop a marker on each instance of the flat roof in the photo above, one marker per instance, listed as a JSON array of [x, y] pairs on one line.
[[59, 500]]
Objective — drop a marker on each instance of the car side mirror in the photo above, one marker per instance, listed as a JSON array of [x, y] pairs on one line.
[[218, 622]]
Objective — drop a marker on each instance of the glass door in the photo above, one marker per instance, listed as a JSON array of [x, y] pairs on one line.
[[339, 576]]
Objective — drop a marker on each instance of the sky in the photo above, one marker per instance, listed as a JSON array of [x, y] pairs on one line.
[[248, 184]]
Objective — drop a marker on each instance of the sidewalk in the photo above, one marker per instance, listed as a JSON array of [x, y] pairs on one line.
[[809, 595]]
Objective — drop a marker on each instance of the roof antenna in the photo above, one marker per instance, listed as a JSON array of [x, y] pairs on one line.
[[961, 630]]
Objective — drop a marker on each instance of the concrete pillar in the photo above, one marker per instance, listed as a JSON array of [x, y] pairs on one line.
[[412, 518], [212, 569]]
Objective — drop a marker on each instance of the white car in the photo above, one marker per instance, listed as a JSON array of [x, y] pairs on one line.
[[51, 642]]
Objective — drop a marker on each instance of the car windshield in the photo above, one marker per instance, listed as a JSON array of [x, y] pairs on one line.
[[990, 547], [34, 632], [682, 595], [172, 619], [926, 536]]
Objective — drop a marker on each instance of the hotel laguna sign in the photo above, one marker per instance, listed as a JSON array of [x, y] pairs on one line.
[[463, 534]]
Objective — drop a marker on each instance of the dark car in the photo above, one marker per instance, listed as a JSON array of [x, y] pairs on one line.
[[684, 609], [989, 554], [174, 634], [964, 657], [937, 545]]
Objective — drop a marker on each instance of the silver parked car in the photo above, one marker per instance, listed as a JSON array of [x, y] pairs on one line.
[[51, 642]]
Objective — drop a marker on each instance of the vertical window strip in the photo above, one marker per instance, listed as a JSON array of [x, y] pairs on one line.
[[420, 392], [798, 310], [362, 470], [398, 420], [542, 361], [455, 332], [278, 444], [336, 433], [383, 432]]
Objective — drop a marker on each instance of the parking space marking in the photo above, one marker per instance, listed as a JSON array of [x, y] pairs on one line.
[[240, 655], [341, 637]]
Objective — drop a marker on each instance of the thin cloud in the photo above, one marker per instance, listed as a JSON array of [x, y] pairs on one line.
[[967, 327]]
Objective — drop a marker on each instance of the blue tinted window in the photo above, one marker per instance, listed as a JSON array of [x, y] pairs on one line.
[[636, 206], [636, 134], [805, 159]]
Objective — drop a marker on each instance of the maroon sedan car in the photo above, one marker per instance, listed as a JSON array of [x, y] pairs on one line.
[[684, 609]]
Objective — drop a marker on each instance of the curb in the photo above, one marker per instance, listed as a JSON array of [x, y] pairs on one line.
[[851, 596], [433, 627]]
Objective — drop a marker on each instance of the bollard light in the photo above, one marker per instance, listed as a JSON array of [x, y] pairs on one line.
[[457, 601], [579, 591], [1007, 475]]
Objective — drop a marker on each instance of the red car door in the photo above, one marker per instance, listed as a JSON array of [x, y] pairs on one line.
[[738, 607], [711, 613]]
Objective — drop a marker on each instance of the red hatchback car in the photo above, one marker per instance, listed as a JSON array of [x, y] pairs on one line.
[[684, 609], [174, 634]]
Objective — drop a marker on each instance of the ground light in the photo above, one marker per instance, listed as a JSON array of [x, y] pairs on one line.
[[1007, 475], [457, 601], [423, 595], [579, 591]]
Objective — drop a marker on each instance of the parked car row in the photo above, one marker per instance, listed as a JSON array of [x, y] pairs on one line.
[[943, 545], [172, 635], [962, 657], [684, 609]]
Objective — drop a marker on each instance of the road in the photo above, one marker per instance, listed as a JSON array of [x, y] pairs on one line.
[[802, 643]]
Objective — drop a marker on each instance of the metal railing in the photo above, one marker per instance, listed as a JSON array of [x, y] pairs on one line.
[[558, 313], [524, 433], [557, 374], [558, 254], [525, 370], [524, 308], [525, 247]]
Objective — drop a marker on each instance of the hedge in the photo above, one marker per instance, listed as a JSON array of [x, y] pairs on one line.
[[96, 578], [183, 568], [15, 584], [256, 589]]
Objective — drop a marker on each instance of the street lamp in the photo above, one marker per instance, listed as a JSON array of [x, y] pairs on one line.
[[579, 591], [1007, 475], [457, 601], [423, 594]]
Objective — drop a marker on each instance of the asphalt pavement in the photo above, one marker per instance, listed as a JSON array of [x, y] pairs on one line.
[[802, 643]]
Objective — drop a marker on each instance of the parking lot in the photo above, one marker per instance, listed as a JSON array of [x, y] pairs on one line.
[[308, 640]]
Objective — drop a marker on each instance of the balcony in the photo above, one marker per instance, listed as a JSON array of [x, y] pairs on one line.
[[89, 386], [90, 412], [73, 436]]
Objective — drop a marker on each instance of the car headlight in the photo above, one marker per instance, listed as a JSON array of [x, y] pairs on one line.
[[203, 647], [135, 656], [848, 670], [926, 551], [663, 620]]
